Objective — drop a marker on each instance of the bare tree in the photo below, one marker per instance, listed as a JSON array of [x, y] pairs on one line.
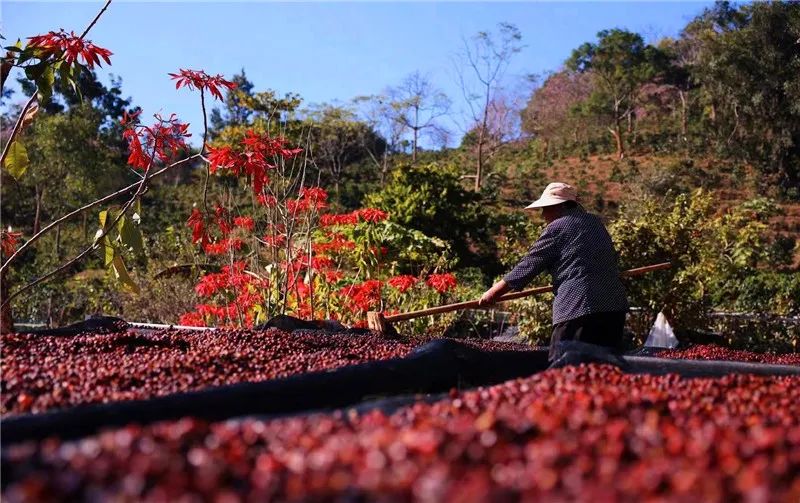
[[504, 118], [480, 68], [337, 138], [417, 105], [550, 114], [378, 114]]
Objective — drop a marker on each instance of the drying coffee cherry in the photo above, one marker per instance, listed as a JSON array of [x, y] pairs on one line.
[[579, 433], [713, 352], [42, 373]]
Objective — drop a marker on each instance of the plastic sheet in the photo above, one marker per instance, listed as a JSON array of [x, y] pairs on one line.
[[96, 324], [578, 352], [661, 334]]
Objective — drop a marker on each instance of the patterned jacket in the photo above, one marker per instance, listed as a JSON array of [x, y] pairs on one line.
[[577, 251]]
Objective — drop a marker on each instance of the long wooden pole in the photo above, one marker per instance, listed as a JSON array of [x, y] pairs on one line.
[[473, 304]]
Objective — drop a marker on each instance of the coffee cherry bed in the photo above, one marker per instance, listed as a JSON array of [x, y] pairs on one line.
[[585, 433], [43, 373]]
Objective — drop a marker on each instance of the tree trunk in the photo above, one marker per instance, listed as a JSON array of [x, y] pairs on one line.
[[50, 311], [6, 317], [482, 139], [37, 217], [416, 135], [479, 166], [617, 134], [617, 131], [58, 244], [384, 169], [684, 128]]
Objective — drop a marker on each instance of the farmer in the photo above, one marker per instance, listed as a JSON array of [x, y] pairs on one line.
[[590, 302]]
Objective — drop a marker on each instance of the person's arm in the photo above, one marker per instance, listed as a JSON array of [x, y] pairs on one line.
[[541, 255], [491, 295]]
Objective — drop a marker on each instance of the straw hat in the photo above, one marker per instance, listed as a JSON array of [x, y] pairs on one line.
[[555, 193]]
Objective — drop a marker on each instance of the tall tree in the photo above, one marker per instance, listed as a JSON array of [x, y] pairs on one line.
[[549, 115], [680, 55], [748, 67], [620, 63], [76, 149], [88, 89], [236, 109], [336, 140], [376, 111], [264, 111], [417, 105], [481, 67]]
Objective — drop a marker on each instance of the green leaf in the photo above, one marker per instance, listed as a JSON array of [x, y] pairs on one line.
[[103, 216], [121, 273], [111, 252], [34, 72], [67, 74], [25, 55], [108, 216], [45, 84], [16, 161], [130, 235], [260, 313]]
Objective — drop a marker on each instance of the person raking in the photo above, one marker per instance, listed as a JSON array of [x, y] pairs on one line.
[[590, 300]]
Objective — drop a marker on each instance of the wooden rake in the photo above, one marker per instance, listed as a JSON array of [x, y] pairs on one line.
[[382, 324]]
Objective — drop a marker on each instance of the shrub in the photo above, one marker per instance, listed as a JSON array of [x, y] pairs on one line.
[[713, 255], [431, 198]]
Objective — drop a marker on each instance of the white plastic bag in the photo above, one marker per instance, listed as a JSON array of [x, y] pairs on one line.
[[661, 335]]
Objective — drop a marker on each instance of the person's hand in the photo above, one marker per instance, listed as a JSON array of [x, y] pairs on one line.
[[491, 295], [487, 298]]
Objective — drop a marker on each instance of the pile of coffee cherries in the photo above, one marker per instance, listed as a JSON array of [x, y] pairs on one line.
[[713, 352], [43, 373], [585, 433]]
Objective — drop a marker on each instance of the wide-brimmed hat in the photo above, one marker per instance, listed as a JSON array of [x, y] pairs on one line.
[[555, 193]]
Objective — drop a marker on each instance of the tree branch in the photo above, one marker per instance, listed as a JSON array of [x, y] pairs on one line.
[[92, 247], [203, 150], [89, 206], [18, 126], [19, 122], [96, 18]]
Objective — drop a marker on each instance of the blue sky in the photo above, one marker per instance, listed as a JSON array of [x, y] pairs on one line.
[[325, 51]]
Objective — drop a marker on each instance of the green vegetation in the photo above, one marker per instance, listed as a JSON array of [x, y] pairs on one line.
[[689, 147]]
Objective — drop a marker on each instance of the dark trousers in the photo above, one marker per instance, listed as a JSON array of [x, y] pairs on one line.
[[602, 329]]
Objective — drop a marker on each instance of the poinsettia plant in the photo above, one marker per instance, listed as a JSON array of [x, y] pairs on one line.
[[288, 253], [283, 252], [153, 150]]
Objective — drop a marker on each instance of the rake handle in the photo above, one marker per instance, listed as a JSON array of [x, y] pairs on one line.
[[473, 304]]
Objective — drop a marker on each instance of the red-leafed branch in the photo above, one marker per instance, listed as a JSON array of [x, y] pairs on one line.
[[32, 99]]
